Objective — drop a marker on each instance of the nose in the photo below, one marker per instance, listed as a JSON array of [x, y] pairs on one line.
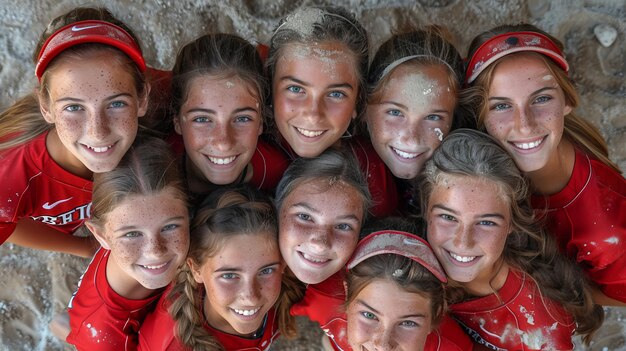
[[156, 247], [321, 239], [383, 339], [410, 134], [315, 107], [223, 138], [250, 292], [464, 237], [525, 119], [97, 125]]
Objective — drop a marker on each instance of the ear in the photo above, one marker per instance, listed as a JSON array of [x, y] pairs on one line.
[[143, 101], [177, 127], [195, 271], [98, 233], [567, 110], [44, 107], [260, 128], [354, 114], [345, 288]]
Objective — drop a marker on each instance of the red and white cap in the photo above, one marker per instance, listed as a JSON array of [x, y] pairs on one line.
[[508, 43], [91, 31], [398, 243]]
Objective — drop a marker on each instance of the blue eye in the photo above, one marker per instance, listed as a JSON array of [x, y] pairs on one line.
[[500, 107], [73, 108], [395, 112], [337, 94], [134, 234], [542, 99], [268, 271], [304, 216], [170, 227], [229, 276], [200, 119], [294, 89], [344, 226], [433, 118], [409, 324], [488, 223], [243, 119], [118, 104]]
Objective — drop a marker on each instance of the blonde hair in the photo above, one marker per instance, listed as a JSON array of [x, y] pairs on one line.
[[576, 129]]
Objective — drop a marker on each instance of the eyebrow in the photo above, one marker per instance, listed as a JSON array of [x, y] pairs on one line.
[[131, 227], [539, 91], [301, 82], [109, 98], [239, 269], [418, 315], [485, 215], [308, 207], [394, 103]]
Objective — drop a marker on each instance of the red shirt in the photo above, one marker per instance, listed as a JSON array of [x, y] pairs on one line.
[[34, 185], [101, 319], [323, 303], [588, 218], [157, 332], [520, 318]]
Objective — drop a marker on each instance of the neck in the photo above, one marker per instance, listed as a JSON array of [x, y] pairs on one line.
[[555, 175], [64, 158], [488, 284]]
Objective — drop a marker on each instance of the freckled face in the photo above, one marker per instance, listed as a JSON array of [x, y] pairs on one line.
[[319, 227], [383, 316], [414, 114], [95, 107], [315, 88], [149, 237], [526, 111], [242, 282], [220, 123], [468, 223]]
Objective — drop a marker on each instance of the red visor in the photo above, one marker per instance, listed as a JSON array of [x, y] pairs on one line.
[[508, 43], [398, 243], [88, 32]]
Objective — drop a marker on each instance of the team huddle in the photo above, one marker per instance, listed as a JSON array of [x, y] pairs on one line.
[[411, 200]]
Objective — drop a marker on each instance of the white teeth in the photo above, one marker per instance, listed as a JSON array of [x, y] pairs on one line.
[[526, 146], [247, 312], [313, 259], [463, 259], [404, 154], [310, 133], [155, 267], [222, 161], [99, 149]]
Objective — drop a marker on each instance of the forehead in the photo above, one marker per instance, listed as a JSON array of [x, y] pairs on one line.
[[146, 209], [324, 56], [252, 250], [219, 84], [472, 191], [521, 66]]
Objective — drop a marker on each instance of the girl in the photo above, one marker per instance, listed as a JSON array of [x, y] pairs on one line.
[[395, 295], [529, 110], [225, 296], [219, 93], [317, 63], [90, 119], [515, 290], [140, 218]]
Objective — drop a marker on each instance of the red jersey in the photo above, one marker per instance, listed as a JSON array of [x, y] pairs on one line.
[[323, 303], [380, 180], [101, 319], [157, 332], [588, 218], [34, 185], [518, 318]]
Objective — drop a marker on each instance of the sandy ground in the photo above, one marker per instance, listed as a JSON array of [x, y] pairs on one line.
[[36, 285]]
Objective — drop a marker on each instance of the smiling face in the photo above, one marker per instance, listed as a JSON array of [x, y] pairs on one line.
[[315, 88], [242, 282], [411, 117], [148, 236], [526, 110], [468, 223], [319, 226], [220, 123], [383, 316], [94, 105]]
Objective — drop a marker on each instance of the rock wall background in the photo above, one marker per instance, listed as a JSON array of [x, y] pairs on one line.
[[36, 285]]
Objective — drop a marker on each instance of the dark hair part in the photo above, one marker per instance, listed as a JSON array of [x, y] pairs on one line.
[[576, 129], [332, 165], [226, 213], [312, 25], [221, 55], [23, 121], [416, 278], [148, 167], [470, 153], [433, 48]]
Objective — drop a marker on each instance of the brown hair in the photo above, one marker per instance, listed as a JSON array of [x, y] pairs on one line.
[[415, 278], [576, 129], [225, 213], [23, 121], [148, 167], [309, 25], [431, 46], [528, 248], [220, 55]]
